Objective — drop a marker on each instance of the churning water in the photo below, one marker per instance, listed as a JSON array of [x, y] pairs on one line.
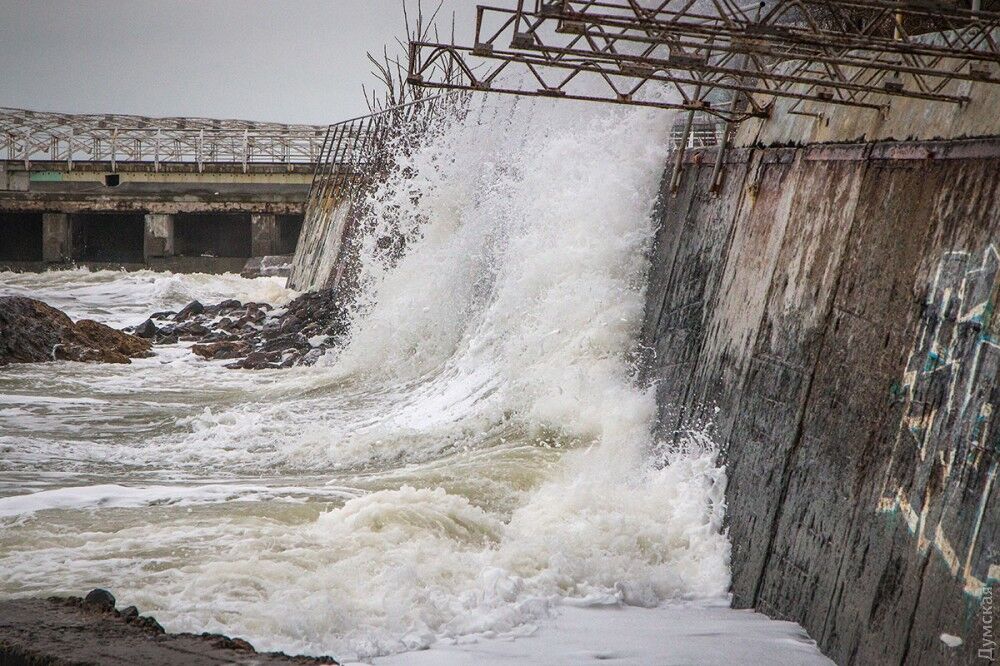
[[476, 458]]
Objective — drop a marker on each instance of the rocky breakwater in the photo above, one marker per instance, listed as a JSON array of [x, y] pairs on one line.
[[33, 332], [90, 630], [253, 335]]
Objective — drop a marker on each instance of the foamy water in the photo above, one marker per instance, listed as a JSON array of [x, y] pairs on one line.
[[477, 458]]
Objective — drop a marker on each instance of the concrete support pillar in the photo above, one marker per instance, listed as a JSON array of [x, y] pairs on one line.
[[263, 235], [57, 238], [158, 238]]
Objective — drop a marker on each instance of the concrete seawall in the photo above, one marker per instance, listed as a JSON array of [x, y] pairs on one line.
[[829, 315]]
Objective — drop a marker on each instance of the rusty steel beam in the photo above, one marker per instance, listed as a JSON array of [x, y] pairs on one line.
[[806, 50], [853, 54], [699, 64], [970, 35], [491, 70]]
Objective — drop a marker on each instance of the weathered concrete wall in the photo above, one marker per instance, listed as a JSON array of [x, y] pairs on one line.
[[318, 248], [829, 316]]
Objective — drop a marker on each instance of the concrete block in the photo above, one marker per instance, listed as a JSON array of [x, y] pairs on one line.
[[57, 238]]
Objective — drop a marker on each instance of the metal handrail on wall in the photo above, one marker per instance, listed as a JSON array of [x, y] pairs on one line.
[[353, 155]]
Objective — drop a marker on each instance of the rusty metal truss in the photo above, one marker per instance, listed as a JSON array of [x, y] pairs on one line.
[[59, 137], [843, 51], [507, 71], [719, 57]]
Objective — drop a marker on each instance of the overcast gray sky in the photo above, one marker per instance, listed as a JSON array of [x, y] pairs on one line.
[[288, 61]]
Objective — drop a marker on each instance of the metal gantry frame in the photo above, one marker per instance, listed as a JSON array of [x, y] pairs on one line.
[[859, 53], [844, 51], [62, 137]]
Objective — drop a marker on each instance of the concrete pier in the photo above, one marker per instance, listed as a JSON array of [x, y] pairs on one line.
[[158, 239], [263, 234], [181, 217], [57, 239]]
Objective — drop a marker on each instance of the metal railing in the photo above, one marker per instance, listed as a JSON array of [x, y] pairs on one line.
[[355, 154], [700, 135], [60, 137]]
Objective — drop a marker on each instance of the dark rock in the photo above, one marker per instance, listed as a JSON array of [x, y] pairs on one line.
[[129, 613], [230, 643], [166, 314], [100, 600], [219, 336], [222, 350], [31, 331], [191, 309], [59, 632], [149, 624], [146, 329], [247, 333], [192, 330], [99, 336], [287, 341], [289, 324]]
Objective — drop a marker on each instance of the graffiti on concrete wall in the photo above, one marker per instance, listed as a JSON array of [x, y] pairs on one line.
[[945, 455]]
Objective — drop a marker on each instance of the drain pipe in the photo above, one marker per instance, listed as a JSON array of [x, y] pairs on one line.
[[724, 143], [721, 153], [675, 177]]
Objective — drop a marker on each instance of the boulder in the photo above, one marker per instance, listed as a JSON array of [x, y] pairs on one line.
[[33, 332], [68, 631], [99, 600], [146, 329], [191, 309], [99, 336], [223, 349]]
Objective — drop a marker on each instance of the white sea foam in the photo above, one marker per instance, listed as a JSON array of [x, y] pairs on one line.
[[120, 298], [110, 495]]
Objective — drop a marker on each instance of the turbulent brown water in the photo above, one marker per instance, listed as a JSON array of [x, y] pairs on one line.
[[474, 461]]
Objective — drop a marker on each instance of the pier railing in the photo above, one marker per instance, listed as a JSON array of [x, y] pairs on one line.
[[62, 137]]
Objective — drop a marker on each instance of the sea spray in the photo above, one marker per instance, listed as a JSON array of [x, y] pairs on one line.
[[479, 451]]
